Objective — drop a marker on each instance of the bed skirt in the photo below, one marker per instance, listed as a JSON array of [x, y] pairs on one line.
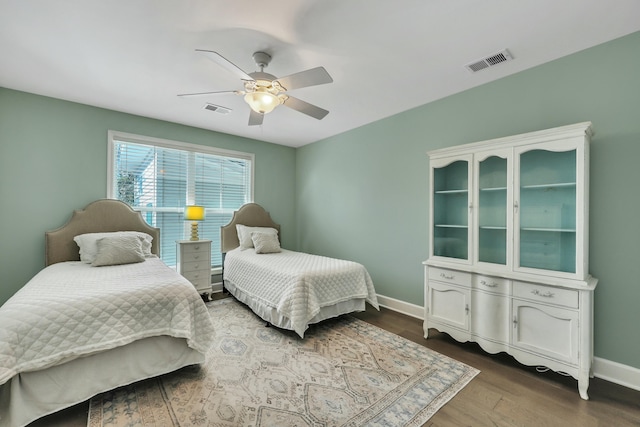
[[271, 315], [32, 395]]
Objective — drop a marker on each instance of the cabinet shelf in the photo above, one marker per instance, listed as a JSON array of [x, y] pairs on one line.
[[493, 227], [551, 186], [452, 192], [494, 189], [451, 226], [549, 230]]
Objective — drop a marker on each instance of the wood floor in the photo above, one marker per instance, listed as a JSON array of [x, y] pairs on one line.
[[505, 393]]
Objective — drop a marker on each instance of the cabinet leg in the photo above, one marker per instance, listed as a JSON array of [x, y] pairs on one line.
[[583, 385]]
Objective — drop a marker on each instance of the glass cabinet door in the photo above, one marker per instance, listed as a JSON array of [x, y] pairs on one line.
[[546, 207], [493, 193], [451, 210]]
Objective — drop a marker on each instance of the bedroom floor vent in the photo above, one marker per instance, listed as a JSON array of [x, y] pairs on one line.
[[489, 61], [217, 108]]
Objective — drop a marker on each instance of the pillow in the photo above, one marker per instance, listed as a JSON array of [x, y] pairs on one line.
[[88, 249], [265, 243], [244, 234], [118, 249]]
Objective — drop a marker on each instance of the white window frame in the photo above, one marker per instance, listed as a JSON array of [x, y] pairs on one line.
[[113, 135]]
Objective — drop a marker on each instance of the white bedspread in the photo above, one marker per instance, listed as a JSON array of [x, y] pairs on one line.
[[297, 284], [72, 309]]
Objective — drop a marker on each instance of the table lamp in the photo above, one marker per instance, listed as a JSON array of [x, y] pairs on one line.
[[194, 214]]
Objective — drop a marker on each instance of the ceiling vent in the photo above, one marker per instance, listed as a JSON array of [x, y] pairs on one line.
[[217, 108], [489, 61]]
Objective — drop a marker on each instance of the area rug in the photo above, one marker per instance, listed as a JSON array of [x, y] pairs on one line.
[[345, 372]]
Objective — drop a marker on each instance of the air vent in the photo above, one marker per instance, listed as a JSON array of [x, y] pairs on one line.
[[217, 108], [489, 61]]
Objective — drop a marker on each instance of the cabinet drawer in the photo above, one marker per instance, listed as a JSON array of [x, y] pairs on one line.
[[491, 284], [548, 294], [450, 276]]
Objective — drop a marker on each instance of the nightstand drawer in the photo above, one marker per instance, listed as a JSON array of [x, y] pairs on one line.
[[196, 248], [202, 265], [548, 294], [201, 256], [450, 276], [197, 276]]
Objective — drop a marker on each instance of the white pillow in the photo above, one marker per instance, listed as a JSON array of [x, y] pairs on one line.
[[244, 234], [118, 249], [89, 249], [265, 243]]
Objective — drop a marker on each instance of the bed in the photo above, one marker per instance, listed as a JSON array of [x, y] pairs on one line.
[[288, 289], [77, 329]]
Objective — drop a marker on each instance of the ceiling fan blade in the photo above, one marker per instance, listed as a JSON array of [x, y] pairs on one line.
[[255, 119], [207, 93], [224, 62], [306, 108], [312, 77]]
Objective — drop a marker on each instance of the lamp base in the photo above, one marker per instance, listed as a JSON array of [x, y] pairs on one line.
[[194, 231]]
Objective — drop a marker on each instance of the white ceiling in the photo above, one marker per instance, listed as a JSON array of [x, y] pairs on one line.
[[385, 56]]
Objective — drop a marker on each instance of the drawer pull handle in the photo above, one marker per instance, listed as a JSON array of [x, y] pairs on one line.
[[450, 277], [196, 247], [547, 294], [196, 257], [487, 284], [196, 266]]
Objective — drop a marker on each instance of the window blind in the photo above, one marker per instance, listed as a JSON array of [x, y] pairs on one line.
[[159, 178]]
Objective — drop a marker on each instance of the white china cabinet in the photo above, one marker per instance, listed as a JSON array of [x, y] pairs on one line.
[[509, 240]]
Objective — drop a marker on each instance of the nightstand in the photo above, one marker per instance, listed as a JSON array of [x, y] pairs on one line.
[[193, 258]]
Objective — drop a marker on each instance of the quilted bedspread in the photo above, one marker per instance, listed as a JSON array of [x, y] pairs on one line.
[[71, 309], [297, 284]]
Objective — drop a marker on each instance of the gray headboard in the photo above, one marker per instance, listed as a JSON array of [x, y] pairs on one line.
[[105, 215], [251, 215]]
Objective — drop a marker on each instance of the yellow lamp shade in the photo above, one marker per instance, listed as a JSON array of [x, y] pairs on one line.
[[194, 213]]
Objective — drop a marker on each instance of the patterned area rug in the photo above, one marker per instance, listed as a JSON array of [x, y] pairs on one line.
[[345, 372]]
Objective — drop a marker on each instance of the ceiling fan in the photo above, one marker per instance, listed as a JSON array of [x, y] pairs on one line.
[[264, 92]]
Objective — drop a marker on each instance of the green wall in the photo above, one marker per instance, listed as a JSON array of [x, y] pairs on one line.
[[53, 159], [363, 195]]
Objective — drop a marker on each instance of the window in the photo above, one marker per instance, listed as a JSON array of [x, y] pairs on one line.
[[159, 178]]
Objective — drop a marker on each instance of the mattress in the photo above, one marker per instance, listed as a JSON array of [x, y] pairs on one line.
[[294, 287]]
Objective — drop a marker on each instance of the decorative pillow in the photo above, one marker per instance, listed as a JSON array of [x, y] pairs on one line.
[[244, 234], [89, 249], [118, 249], [265, 243]]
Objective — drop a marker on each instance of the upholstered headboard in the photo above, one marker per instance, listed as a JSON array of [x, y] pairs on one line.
[[251, 215], [101, 216]]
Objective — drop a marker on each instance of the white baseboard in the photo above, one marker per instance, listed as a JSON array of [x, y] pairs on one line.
[[614, 372], [401, 307], [618, 373]]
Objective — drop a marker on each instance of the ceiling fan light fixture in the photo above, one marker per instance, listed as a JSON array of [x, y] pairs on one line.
[[263, 101]]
